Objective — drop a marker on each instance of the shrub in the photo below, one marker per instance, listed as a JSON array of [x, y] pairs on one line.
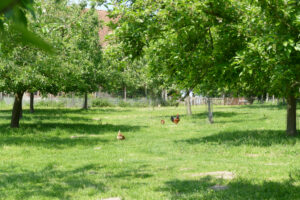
[[171, 102], [140, 104], [124, 104], [101, 103]]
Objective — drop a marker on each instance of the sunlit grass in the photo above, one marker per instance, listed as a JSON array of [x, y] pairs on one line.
[[74, 154]]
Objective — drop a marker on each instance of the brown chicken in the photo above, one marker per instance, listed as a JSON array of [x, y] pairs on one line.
[[176, 119], [162, 122], [120, 136]]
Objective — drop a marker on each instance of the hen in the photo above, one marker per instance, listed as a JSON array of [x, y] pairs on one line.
[[120, 136], [176, 119]]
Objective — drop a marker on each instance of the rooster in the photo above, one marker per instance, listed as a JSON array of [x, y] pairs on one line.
[[176, 119], [120, 136]]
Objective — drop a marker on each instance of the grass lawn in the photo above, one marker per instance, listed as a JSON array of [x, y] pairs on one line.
[[74, 154]]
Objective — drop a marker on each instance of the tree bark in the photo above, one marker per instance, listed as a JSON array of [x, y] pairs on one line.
[[17, 110], [188, 105], [31, 102], [85, 103], [291, 128], [210, 114], [166, 95], [125, 93]]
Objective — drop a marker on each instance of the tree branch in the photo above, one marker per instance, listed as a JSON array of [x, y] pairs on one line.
[[12, 4]]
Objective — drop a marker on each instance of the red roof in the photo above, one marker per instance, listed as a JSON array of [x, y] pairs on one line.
[[104, 30]]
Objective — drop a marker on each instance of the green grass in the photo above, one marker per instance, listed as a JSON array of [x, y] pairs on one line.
[[41, 159]]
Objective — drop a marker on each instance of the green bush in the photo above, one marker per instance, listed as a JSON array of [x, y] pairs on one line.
[[140, 104], [172, 103], [101, 103], [124, 104], [169, 103]]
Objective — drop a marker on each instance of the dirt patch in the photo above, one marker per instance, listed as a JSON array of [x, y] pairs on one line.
[[218, 174]]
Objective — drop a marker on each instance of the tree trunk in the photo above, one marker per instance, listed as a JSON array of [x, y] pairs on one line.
[[262, 99], [17, 110], [31, 102], [267, 97], [146, 92], [188, 105], [125, 93], [1, 96], [210, 114], [166, 95], [85, 103], [291, 128], [21, 112]]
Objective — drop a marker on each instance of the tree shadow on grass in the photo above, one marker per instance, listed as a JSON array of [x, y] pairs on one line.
[[71, 128], [35, 117], [49, 183], [50, 142], [237, 189], [64, 111], [139, 172], [251, 137], [73, 134]]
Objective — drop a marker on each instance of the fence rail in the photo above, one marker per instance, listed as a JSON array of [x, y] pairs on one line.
[[75, 101]]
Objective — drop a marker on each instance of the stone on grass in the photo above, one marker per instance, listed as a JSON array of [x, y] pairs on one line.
[[219, 187], [97, 148], [217, 174]]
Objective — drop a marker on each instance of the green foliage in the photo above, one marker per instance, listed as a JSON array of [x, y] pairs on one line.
[[188, 43], [13, 14], [75, 67], [101, 103], [215, 47], [140, 104], [270, 60], [124, 104]]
